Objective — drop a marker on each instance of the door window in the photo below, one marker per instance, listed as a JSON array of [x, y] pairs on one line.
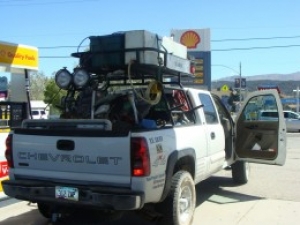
[[290, 115], [209, 109], [35, 113], [262, 108]]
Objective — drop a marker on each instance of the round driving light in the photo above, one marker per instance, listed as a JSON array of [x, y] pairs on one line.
[[63, 78], [80, 78]]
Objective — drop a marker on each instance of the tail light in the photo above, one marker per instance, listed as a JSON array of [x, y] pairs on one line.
[[140, 159], [193, 69], [9, 151], [192, 65]]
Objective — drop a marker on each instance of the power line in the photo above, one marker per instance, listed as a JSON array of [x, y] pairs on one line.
[[220, 40], [213, 50], [41, 3], [255, 38], [55, 57], [254, 48], [56, 47]]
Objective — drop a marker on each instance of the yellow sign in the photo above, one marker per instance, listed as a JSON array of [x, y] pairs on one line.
[[1, 188], [200, 74], [225, 88], [18, 56], [198, 81], [199, 69]]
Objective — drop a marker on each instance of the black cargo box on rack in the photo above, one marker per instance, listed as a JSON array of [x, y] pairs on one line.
[[106, 51]]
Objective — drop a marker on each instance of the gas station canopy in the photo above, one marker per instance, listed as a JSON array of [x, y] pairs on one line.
[[15, 58]]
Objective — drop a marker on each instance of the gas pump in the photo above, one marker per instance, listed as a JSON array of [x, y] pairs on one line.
[[18, 61]]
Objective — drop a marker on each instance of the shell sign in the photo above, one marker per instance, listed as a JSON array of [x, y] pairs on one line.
[[194, 40], [190, 39]]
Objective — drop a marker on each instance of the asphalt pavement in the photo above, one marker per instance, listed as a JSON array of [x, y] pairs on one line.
[[271, 197]]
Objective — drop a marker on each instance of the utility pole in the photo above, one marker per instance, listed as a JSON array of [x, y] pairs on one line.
[[240, 98], [297, 99]]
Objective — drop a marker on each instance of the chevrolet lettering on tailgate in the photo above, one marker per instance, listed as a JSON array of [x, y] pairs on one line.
[[29, 156]]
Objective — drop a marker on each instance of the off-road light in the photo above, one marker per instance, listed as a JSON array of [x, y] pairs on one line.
[[63, 78], [80, 78]]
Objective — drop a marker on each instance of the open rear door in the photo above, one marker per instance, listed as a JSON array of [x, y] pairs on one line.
[[261, 138]]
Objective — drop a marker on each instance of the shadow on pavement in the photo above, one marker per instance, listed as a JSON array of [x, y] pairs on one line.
[[210, 190]]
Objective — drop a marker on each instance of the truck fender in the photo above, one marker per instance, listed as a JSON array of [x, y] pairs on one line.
[[172, 160]]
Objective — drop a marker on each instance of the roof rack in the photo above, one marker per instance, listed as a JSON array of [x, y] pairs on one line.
[[111, 65]]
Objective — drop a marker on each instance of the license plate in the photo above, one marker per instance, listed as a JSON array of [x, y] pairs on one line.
[[68, 193]]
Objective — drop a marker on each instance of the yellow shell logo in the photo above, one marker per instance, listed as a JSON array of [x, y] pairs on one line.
[[190, 39]]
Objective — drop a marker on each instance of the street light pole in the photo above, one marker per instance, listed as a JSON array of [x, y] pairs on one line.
[[239, 73], [297, 97], [240, 83]]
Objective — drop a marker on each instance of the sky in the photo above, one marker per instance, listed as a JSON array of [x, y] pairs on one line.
[[254, 37]]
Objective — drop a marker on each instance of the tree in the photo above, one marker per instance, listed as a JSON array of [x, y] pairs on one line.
[[52, 96], [37, 85]]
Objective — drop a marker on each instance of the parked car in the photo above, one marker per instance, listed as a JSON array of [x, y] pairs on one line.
[[38, 114], [292, 119]]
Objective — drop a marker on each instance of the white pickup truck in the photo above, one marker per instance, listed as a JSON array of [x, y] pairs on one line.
[[132, 140]]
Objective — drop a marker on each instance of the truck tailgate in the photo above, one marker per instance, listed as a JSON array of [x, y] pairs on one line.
[[73, 156]]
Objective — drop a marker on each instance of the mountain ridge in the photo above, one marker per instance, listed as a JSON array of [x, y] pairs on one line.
[[287, 83], [272, 77]]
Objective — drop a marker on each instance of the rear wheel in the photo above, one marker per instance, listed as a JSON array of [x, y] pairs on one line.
[[45, 210], [240, 172], [179, 206]]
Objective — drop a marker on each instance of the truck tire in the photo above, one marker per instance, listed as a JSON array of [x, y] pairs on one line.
[[179, 206], [45, 210], [240, 172]]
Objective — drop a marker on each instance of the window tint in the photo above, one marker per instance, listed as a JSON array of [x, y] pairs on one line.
[[221, 108], [262, 108], [35, 113], [209, 109], [290, 115], [295, 116], [269, 114]]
